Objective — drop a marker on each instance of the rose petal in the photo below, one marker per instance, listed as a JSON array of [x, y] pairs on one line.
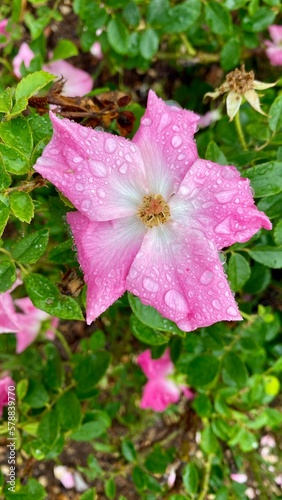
[[5, 382], [8, 316], [253, 99], [233, 103], [155, 368], [275, 32], [165, 139], [274, 54], [217, 200], [178, 272], [78, 82], [101, 174], [158, 394], [25, 55], [105, 253]]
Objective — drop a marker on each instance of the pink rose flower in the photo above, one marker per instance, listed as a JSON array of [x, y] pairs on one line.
[[160, 391], [3, 25], [26, 324], [5, 382], [274, 48], [152, 216], [78, 82]]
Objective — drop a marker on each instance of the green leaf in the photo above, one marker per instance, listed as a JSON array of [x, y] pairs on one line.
[[213, 153], [149, 43], [118, 35], [278, 233], [30, 248], [32, 83], [36, 396], [48, 428], [62, 253], [202, 405], [89, 369], [69, 411], [150, 317], [90, 494], [230, 54], [53, 370], [31, 491], [146, 334], [22, 206], [190, 477], [90, 430], [8, 274], [202, 370], [268, 256], [21, 388], [271, 205], [209, 442], [266, 178], [156, 11], [64, 49], [158, 460], [131, 14], [181, 17], [5, 178], [110, 488], [14, 161], [6, 100], [218, 18], [275, 114], [259, 279], [261, 19], [234, 372], [128, 450], [239, 271], [19, 107], [46, 296], [4, 216], [17, 134]]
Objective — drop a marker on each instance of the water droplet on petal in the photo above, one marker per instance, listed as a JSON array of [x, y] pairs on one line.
[[173, 104], [224, 196], [176, 141], [77, 159], [182, 156], [185, 325], [110, 145], [206, 277], [232, 311], [123, 168], [223, 227], [86, 204], [176, 301], [79, 187], [132, 148], [216, 304], [98, 168], [150, 285], [101, 193], [146, 121]]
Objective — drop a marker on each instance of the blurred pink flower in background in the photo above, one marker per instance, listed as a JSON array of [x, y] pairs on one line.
[[5, 382], [26, 324], [3, 25], [274, 48], [96, 50], [160, 391], [152, 216], [78, 82], [239, 477], [208, 118], [64, 475]]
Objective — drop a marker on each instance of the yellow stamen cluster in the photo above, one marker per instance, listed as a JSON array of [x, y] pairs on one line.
[[154, 210]]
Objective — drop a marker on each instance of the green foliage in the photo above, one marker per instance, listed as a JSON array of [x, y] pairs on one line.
[[78, 386]]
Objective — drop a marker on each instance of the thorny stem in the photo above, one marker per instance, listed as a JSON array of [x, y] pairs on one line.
[[240, 131], [204, 491], [189, 48]]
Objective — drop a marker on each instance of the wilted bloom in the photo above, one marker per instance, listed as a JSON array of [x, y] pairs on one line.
[[160, 390], [5, 383], [77, 81], [26, 324], [239, 477], [152, 215], [240, 84], [274, 48], [64, 475]]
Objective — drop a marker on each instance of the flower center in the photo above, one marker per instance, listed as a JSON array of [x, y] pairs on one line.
[[240, 80], [154, 210]]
